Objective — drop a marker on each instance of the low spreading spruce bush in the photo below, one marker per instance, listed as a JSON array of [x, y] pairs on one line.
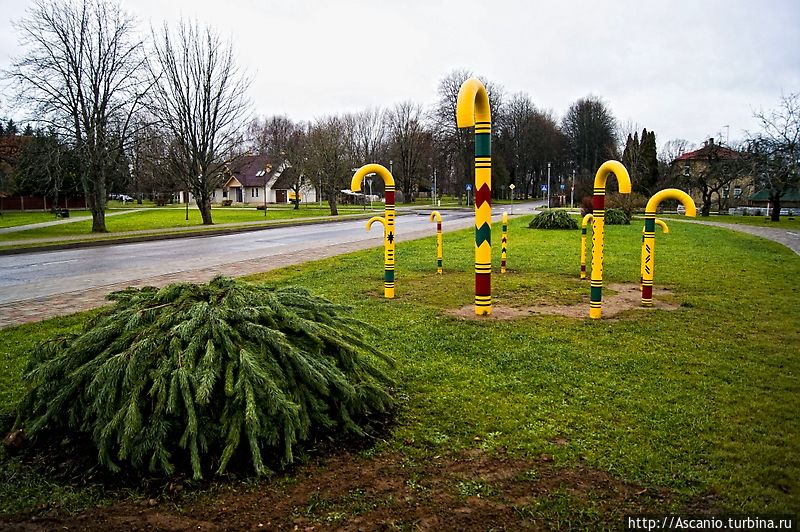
[[189, 377], [552, 219], [616, 217]]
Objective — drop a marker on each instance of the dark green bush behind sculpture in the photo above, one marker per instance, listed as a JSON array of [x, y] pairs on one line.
[[190, 376], [616, 217], [551, 219]]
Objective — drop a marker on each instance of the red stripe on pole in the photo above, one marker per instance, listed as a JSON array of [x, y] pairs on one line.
[[390, 197], [647, 292], [483, 195], [483, 284], [439, 226], [599, 202]]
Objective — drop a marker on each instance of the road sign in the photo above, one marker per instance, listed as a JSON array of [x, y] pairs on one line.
[[511, 186], [544, 188], [469, 187], [562, 186]]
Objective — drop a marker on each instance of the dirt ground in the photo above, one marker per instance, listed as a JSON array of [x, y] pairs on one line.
[[624, 297], [470, 491]]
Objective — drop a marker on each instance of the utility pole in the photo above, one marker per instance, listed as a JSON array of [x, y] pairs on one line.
[[548, 185], [572, 193]]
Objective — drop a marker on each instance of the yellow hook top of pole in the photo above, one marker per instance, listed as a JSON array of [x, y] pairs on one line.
[[473, 104], [663, 225], [587, 220], [372, 168], [671, 193], [615, 167], [374, 219], [436, 216]]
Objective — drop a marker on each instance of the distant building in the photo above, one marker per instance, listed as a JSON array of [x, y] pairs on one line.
[[697, 162]]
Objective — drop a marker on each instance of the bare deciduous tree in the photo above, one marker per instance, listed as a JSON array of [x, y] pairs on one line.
[[329, 160], [458, 143], [775, 151], [409, 140], [199, 99], [82, 75]]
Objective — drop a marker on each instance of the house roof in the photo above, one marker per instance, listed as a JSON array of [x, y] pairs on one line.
[[790, 194], [251, 170], [286, 179], [710, 150]]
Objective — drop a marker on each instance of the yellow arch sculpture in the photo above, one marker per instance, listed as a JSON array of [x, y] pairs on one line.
[[438, 218], [598, 228], [649, 241], [664, 229], [472, 109], [586, 220], [387, 221]]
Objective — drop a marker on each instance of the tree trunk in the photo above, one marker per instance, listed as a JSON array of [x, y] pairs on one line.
[[205, 210], [332, 205], [296, 201], [705, 210], [775, 201], [94, 188]]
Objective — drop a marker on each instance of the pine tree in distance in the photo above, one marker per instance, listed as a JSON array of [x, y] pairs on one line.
[[191, 376]]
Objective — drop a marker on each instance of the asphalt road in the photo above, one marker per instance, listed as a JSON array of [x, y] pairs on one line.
[[36, 275]]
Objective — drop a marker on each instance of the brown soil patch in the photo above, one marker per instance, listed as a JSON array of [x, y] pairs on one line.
[[470, 491], [627, 297]]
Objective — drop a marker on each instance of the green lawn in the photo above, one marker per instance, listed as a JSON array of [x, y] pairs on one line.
[[701, 401], [13, 218], [162, 218]]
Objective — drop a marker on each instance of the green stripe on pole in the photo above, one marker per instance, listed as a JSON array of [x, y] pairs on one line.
[[650, 225], [483, 234], [483, 145], [388, 276], [596, 293]]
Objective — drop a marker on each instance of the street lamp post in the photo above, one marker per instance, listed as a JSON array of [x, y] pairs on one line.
[[548, 185], [512, 187], [572, 192]]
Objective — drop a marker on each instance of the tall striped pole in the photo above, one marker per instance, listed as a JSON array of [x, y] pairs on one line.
[[504, 244], [598, 228], [472, 109], [387, 220], [438, 217], [586, 221], [664, 229], [649, 244]]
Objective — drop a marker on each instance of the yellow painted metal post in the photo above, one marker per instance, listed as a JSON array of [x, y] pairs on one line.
[[649, 244], [387, 221], [598, 228], [504, 244], [472, 109], [586, 221], [438, 217], [665, 230]]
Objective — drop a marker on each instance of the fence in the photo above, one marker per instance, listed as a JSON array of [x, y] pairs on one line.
[[39, 203]]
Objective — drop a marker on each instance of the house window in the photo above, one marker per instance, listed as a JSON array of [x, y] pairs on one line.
[[737, 192], [213, 194], [253, 192], [225, 193]]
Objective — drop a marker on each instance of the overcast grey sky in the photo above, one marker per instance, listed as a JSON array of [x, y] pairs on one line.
[[685, 69]]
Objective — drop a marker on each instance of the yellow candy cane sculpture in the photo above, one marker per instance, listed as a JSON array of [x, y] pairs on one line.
[[438, 217], [598, 228], [665, 230], [649, 243], [387, 221], [504, 244], [472, 109], [586, 220]]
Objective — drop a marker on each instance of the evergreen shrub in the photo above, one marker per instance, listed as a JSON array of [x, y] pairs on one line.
[[616, 217], [189, 377], [552, 219]]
